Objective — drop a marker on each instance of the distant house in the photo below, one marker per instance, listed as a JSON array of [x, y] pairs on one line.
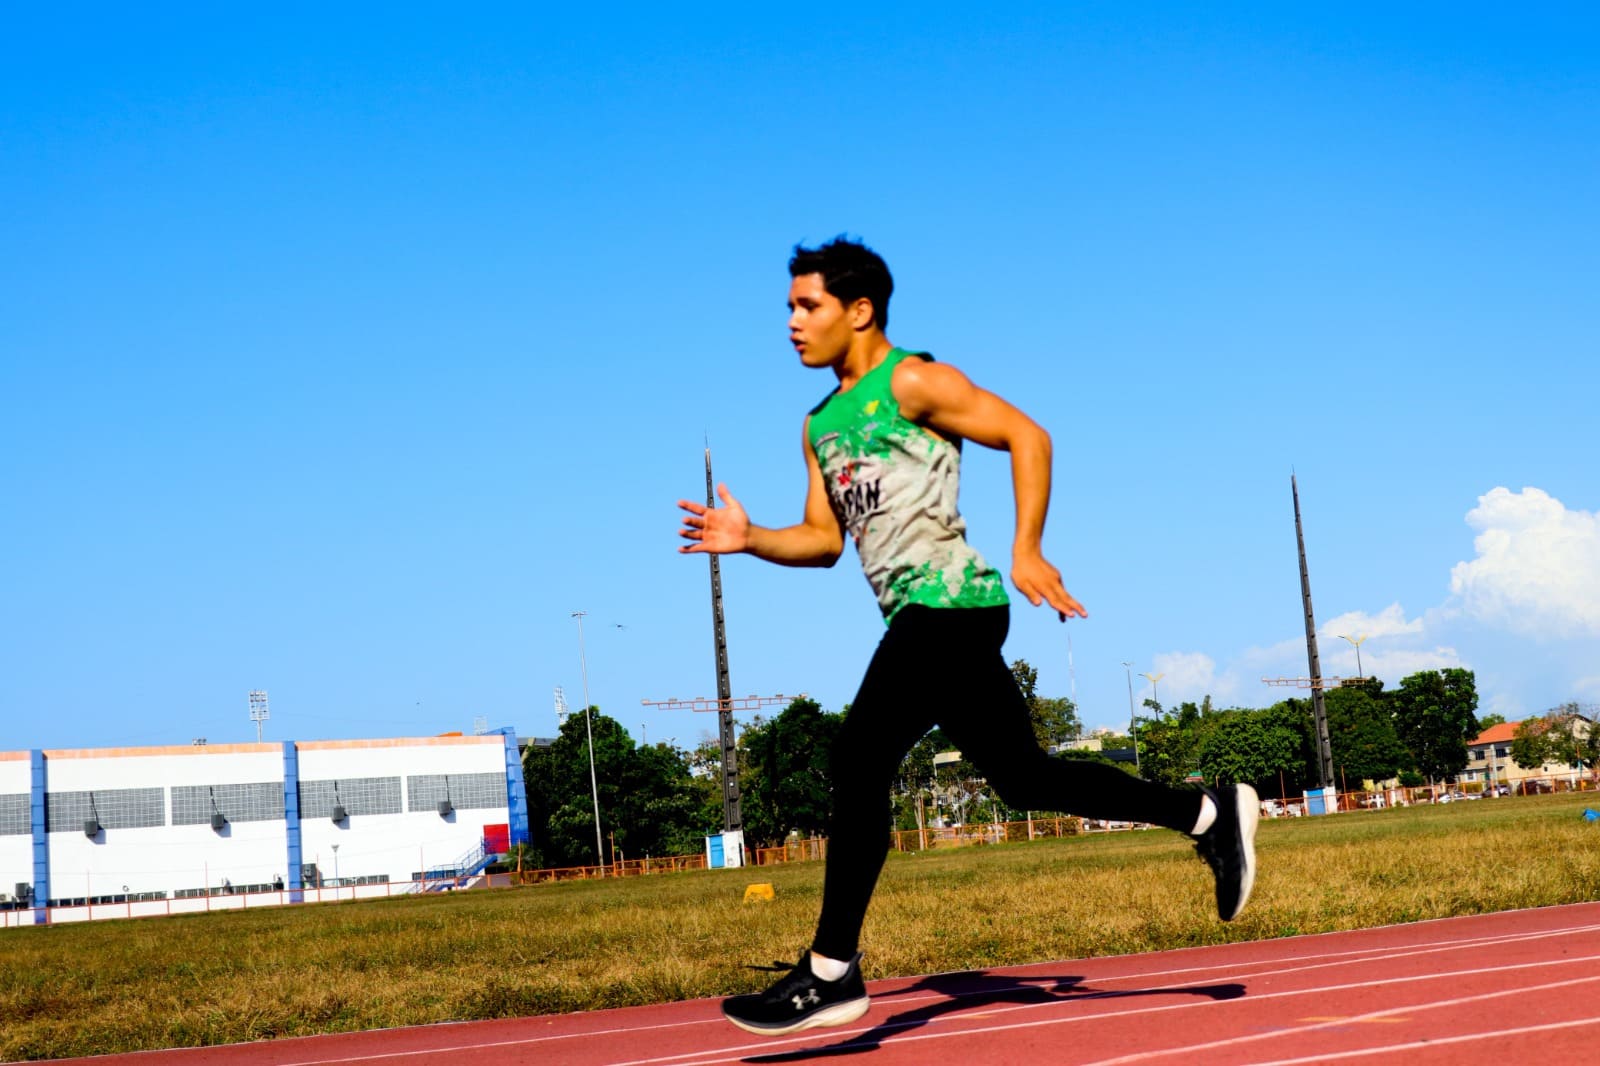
[[1489, 759]]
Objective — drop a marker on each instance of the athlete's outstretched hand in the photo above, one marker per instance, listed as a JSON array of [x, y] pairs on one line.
[[722, 530], [1036, 579]]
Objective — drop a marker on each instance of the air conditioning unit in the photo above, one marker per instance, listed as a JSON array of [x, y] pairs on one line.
[[339, 813], [91, 827], [218, 821], [445, 808]]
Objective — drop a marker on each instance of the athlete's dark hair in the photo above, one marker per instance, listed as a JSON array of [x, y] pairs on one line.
[[850, 270]]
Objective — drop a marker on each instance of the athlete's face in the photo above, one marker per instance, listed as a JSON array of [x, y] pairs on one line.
[[820, 327]]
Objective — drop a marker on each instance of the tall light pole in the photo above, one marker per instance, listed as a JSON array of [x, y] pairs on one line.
[[1357, 641], [1155, 693], [258, 710], [1132, 715], [588, 725]]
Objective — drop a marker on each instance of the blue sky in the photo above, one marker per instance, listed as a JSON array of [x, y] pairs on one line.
[[346, 355]]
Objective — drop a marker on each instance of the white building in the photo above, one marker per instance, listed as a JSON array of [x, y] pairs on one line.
[[131, 831]]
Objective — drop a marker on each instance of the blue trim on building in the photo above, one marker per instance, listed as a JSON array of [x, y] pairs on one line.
[[516, 791], [291, 817], [41, 838]]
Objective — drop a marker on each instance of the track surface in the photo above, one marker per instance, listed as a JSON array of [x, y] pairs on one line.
[[1519, 986]]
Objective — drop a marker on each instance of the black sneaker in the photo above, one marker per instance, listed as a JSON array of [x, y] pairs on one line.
[[1229, 846], [800, 1000]]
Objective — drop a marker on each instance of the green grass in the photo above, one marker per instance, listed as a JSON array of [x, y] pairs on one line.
[[112, 986]]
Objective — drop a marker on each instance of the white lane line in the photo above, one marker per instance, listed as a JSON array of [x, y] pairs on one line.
[[1431, 1042], [1221, 971], [1189, 1050], [733, 1054]]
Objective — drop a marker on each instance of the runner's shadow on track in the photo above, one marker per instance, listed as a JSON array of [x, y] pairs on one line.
[[976, 989]]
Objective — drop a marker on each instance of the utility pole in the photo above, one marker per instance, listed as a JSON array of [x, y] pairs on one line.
[[1319, 710], [731, 818]]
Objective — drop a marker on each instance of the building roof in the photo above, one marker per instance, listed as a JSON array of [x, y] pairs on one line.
[[1503, 733]]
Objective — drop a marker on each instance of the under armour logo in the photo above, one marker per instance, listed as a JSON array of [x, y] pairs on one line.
[[809, 999]]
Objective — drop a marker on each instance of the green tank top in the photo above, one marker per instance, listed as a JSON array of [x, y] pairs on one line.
[[893, 487]]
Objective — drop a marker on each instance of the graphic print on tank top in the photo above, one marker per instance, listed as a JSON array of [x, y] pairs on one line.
[[893, 487]]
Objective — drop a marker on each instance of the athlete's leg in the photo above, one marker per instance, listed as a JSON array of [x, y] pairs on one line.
[[890, 713], [985, 715]]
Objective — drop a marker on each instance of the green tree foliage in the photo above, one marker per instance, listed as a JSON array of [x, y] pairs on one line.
[[1435, 716], [649, 802], [1254, 746], [786, 785], [1489, 721], [1362, 733], [1169, 744], [1055, 718], [1560, 735]]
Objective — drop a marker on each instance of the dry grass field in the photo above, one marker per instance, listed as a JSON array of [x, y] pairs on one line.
[[113, 986]]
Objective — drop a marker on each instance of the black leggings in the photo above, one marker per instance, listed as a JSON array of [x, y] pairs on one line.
[[942, 666]]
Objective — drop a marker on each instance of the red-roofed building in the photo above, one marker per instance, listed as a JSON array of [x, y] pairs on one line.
[[1489, 759]]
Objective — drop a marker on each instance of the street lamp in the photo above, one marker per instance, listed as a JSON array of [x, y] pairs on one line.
[[1357, 641], [1155, 693], [588, 724], [1133, 716], [336, 885]]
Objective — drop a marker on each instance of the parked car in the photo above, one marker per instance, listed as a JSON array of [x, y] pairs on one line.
[[1499, 790]]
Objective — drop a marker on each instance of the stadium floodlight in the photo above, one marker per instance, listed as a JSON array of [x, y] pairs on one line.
[[258, 710]]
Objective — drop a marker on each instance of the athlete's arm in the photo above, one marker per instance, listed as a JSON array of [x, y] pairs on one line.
[[942, 398], [816, 540]]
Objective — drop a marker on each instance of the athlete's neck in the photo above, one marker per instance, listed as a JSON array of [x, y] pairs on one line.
[[865, 354]]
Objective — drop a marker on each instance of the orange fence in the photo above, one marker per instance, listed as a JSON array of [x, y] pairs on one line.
[[794, 850]]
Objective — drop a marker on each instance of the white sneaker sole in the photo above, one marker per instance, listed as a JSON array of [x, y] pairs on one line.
[[1249, 817], [837, 1014]]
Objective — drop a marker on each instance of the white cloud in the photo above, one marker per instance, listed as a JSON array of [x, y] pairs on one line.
[[1537, 569], [1184, 676], [1391, 621]]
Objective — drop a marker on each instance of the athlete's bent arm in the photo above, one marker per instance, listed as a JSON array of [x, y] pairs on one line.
[[942, 398], [816, 540]]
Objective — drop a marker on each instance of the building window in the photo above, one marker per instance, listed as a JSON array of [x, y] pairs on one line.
[[260, 801], [113, 808], [357, 795], [464, 791], [15, 819]]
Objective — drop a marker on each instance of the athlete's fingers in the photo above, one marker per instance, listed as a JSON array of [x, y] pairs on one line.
[[692, 507]]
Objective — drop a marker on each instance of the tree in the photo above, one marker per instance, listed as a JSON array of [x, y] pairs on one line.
[[1361, 731], [1251, 746], [650, 803], [786, 784], [1435, 716], [1489, 721], [1055, 719], [1560, 735]]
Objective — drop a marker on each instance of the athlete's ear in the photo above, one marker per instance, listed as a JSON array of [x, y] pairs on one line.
[[861, 313]]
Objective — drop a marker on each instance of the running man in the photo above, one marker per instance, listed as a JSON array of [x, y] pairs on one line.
[[883, 455]]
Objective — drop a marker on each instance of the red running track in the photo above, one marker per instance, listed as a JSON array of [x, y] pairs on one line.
[[1519, 986]]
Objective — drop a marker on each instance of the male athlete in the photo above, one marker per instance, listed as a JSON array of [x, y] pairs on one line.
[[883, 454]]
